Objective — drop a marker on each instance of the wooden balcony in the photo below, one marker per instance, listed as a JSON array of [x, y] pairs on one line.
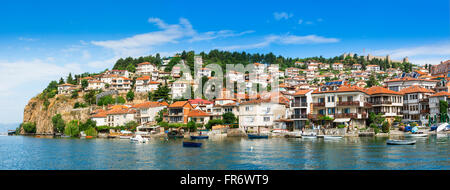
[[382, 102], [314, 116], [425, 111], [321, 104], [348, 103], [299, 104], [346, 115], [299, 116]]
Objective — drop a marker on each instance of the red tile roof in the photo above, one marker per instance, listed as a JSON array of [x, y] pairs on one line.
[[301, 92], [415, 89], [380, 90], [148, 105], [197, 113], [442, 93]]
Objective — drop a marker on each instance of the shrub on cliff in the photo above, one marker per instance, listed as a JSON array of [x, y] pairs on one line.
[[385, 127], [130, 95], [58, 123], [72, 128], [91, 132], [28, 127]]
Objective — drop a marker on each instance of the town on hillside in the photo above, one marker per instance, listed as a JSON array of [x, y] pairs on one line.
[[351, 93]]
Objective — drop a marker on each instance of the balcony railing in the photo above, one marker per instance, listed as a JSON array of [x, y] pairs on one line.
[[424, 100], [346, 115], [367, 105], [299, 104], [314, 116], [382, 102], [348, 103], [425, 111], [299, 116], [320, 104]]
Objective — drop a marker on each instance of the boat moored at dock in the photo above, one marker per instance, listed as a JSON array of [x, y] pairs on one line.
[[192, 144], [400, 142]]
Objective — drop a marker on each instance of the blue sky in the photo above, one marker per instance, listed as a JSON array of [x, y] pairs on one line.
[[42, 41]]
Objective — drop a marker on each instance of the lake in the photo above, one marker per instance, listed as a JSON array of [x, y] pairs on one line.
[[30, 153]]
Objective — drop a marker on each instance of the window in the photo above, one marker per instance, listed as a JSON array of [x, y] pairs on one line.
[[266, 119]]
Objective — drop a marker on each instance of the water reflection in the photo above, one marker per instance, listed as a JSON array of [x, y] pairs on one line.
[[19, 152]]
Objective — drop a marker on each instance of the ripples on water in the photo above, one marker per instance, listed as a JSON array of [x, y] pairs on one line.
[[20, 152]]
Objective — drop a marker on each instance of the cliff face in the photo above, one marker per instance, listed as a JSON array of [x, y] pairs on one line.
[[35, 112], [61, 104]]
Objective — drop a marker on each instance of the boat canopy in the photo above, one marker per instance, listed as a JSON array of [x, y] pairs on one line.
[[341, 120]]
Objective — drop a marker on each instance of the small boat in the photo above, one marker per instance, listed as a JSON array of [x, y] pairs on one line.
[[441, 127], [11, 132], [416, 135], [174, 135], [139, 138], [257, 136], [192, 144], [124, 136], [309, 136], [64, 136], [199, 137], [332, 137], [400, 142], [89, 137]]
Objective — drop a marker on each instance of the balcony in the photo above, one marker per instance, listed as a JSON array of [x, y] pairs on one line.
[[425, 111], [314, 116], [346, 115], [348, 103], [299, 116], [367, 105], [299, 104], [382, 102], [424, 100], [320, 104]]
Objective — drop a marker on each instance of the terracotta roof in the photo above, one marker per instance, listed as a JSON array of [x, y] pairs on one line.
[[199, 101], [100, 115], [421, 73], [197, 113], [178, 104], [443, 93], [301, 92], [144, 78], [380, 90], [415, 89], [410, 79], [144, 63], [164, 103], [372, 66], [148, 105], [342, 89], [118, 111], [66, 84]]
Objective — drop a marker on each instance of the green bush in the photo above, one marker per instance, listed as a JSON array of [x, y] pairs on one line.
[[87, 125], [29, 127], [191, 126], [102, 128], [413, 124], [164, 124], [58, 123], [341, 126], [213, 122], [385, 127], [79, 105], [91, 132]]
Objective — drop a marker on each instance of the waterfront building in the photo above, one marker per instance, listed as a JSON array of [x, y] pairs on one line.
[[300, 107], [199, 117], [145, 68], [178, 112], [434, 104], [119, 116], [100, 118], [400, 83], [415, 104], [387, 102], [147, 112], [346, 104]]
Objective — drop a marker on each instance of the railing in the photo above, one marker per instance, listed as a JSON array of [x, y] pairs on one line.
[[348, 103], [314, 116], [320, 104], [299, 104], [382, 102], [346, 115], [299, 116], [367, 105], [425, 111], [424, 100]]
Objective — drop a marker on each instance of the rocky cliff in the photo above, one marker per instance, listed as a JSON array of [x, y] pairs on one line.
[[61, 104]]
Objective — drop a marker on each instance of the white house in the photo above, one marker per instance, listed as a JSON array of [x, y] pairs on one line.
[[261, 114], [119, 116], [145, 68], [338, 66], [95, 85], [147, 112], [121, 84], [66, 88], [144, 84], [374, 68]]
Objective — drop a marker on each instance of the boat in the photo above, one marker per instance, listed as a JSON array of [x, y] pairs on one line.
[[64, 136], [416, 135], [309, 136], [11, 132], [174, 135], [124, 136], [199, 137], [192, 144], [89, 137], [139, 138], [332, 137], [441, 127], [257, 136], [400, 142]]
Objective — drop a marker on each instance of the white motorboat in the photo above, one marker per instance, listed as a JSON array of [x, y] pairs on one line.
[[441, 127], [138, 138], [416, 135], [400, 142], [332, 137]]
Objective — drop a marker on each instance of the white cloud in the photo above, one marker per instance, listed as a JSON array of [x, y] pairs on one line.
[[27, 39], [218, 34], [282, 15], [283, 39], [300, 21], [431, 49]]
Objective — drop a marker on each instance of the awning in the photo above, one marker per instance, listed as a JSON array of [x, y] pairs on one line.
[[341, 120]]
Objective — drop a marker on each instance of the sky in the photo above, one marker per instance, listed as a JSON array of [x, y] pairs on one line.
[[43, 40]]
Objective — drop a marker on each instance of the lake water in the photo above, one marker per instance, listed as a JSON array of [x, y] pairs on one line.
[[21, 152]]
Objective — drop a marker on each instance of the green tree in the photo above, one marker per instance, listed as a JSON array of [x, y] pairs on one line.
[[89, 97], [58, 123], [130, 95], [84, 83], [88, 124], [72, 128], [131, 125], [61, 81], [443, 107], [120, 100], [229, 118], [385, 127], [372, 81], [191, 126], [213, 122]]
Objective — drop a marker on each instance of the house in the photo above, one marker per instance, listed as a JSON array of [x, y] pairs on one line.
[[313, 66], [198, 116], [180, 88], [291, 72], [416, 104], [67, 88], [200, 103], [357, 67], [122, 84], [147, 112], [300, 107], [400, 83], [100, 118], [260, 114], [387, 102], [373, 68], [95, 85], [178, 112], [120, 73], [119, 116], [338, 66], [145, 68], [346, 105], [145, 84], [204, 72], [434, 103], [324, 66]]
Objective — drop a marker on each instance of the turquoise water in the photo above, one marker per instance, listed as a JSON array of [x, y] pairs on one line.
[[20, 152]]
